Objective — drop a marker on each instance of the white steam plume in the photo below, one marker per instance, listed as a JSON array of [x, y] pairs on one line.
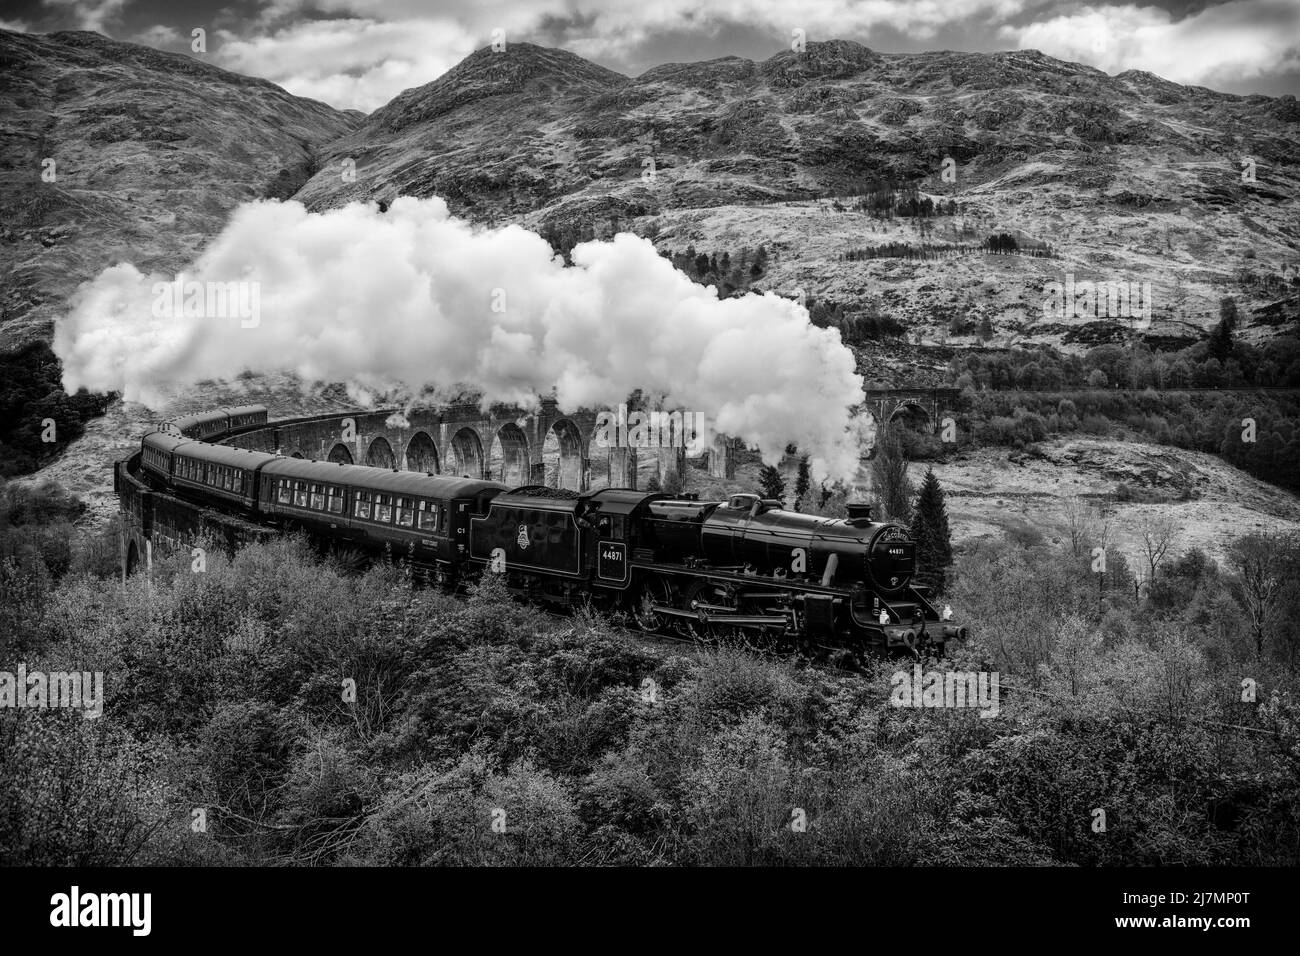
[[414, 297]]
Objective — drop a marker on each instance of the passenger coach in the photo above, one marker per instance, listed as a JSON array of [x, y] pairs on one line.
[[218, 470], [425, 516]]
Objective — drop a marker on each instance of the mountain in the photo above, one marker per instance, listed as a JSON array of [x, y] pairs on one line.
[[1126, 178], [151, 152]]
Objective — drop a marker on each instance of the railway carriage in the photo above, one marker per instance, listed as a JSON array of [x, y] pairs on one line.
[[245, 416], [157, 453], [424, 516], [199, 427], [219, 471]]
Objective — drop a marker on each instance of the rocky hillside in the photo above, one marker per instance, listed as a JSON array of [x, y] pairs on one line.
[[1127, 178], [151, 152]]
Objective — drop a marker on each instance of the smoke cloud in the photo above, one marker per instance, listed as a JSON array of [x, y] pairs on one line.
[[415, 299]]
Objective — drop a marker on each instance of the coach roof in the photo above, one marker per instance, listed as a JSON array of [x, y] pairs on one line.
[[380, 479], [224, 455], [166, 441]]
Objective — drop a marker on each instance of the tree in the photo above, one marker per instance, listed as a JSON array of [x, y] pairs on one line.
[[1097, 379], [931, 534], [771, 482], [1158, 535], [802, 482], [1221, 335], [1262, 563], [1077, 523], [893, 491]]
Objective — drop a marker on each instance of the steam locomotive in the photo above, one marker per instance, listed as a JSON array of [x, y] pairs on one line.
[[740, 568]]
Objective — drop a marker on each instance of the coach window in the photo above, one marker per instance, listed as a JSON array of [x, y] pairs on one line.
[[363, 504], [282, 494], [318, 497], [428, 516], [300, 494], [405, 512], [383, 509], [336, 499]]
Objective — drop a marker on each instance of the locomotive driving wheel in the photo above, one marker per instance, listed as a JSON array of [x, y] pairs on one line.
[[654, 590]]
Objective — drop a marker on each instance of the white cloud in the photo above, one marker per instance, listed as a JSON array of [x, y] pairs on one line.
[[350, 64], [158, 35], [1230, 42], [90, 14]]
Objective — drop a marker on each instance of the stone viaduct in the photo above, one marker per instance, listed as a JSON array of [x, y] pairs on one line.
[[542, 446]]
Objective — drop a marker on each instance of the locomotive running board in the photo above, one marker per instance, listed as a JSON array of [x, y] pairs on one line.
[[740, 620]]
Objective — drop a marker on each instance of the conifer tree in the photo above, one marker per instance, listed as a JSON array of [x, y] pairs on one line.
[[931, 534], [802, 482], [1220, 346], [771, 482]]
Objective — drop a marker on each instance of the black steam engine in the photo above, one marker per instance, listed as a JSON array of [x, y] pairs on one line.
[[740, 568]]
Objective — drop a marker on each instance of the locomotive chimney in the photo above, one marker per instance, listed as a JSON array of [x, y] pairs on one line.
[[859, 514]]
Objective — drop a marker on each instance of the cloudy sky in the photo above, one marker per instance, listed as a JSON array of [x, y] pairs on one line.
[[360, 53]]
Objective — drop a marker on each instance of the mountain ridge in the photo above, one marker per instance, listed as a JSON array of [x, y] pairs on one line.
[[151, 152], [1127, 176]]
